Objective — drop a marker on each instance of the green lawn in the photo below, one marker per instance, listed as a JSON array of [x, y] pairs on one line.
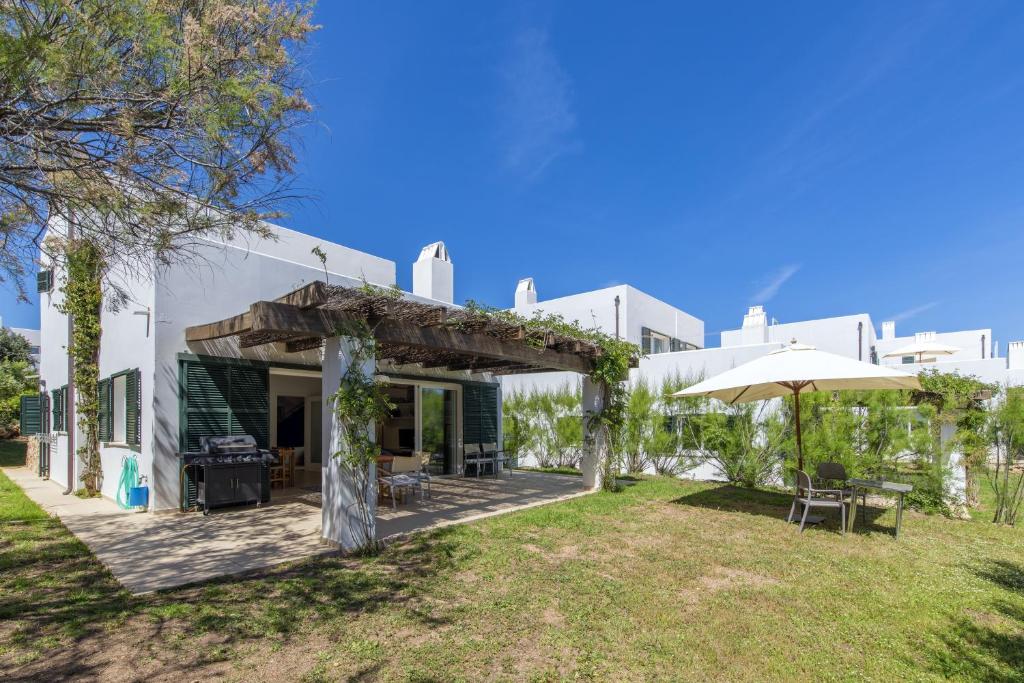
[[665, 580]]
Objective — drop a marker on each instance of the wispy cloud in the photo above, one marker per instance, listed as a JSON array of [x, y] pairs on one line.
[[773, 283], [913, 312], [536, 117]]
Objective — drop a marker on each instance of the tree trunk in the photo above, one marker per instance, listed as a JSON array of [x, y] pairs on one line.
[[972, 487]]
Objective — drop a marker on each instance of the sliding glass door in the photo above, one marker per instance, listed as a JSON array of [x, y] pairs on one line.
[[424, 420], [437, 428]]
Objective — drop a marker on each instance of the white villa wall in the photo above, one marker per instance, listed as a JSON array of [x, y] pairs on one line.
[[637, 310], [220, 281], [991, 370], [643, 310], [590, 309], [227, 280], [834, 335], [53, 364], [126, 344]]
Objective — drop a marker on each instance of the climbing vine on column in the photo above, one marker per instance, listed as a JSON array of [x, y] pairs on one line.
[[83, 299], [611, 370], [360, 402]]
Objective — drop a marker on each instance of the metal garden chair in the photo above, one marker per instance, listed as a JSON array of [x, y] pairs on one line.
[[809, 497]]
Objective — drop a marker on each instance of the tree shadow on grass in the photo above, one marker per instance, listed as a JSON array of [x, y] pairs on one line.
[[776, 505], [988, 645], [69, 611]]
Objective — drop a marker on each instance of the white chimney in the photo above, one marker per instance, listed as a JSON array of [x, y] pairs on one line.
[[755, 326], [1015, 355], [526, 292], [889, 329], [433, 275]]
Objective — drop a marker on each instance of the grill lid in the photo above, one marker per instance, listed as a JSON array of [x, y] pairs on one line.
[[244, 443]]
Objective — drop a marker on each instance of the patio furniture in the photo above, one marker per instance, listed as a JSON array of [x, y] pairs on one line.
[[395, 484], [833, 475], [287, 459], [794, 369], [880, 485], [277, 471], [424, 472], [810, 497], [475, 456], [497, 457]]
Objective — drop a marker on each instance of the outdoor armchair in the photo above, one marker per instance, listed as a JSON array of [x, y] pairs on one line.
[[833, 475], [473, 456], [497, 457], [395, 483], [809, 497]]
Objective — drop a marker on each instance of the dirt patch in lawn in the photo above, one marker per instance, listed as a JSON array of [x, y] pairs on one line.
[[723, 579]]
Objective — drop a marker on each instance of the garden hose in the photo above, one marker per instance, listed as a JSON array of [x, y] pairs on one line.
[[129, 480]]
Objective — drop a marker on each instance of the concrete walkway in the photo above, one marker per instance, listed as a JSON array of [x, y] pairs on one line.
[[148, 552]]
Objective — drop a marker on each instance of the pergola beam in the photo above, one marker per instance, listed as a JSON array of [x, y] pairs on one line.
[[299, 321]]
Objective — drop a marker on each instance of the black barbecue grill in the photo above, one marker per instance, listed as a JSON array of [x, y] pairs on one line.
[[228, 470]]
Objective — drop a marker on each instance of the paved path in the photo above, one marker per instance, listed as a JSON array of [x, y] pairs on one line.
[[153, 551], [148, 552]]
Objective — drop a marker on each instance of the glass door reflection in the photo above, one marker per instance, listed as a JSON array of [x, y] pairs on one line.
[[437, 424]]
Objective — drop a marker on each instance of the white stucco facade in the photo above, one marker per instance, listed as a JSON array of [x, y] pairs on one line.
[[148, 334]]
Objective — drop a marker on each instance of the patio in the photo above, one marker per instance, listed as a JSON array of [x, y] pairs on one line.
[[150, 552]]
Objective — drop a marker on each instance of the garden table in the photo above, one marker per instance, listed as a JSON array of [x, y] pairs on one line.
[[879, 485]]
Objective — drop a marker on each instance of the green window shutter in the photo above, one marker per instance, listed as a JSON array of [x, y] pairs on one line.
[[44, 280], [133, 407], [31, 416], [219, 399], [105, 399], [250, 403], [479, 413], [645, 340], [60, 397]]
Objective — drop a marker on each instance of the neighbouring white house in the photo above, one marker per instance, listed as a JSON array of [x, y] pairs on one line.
[[171, 374], [672, 340], [29, 335]]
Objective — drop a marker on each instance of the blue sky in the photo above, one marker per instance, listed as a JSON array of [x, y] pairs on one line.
[[822, 159]]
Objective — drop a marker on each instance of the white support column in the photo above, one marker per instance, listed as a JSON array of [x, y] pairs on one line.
[[593, 443], [340, 507]]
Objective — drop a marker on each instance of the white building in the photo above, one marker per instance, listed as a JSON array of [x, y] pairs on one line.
[[32, 337], [656, 327], [676, 353], [161, 393]]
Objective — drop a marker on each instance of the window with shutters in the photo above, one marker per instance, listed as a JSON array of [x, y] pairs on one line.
[[223, 399], [31, 421], [58, 404], [118, 413], [104, 415], [44, 281], [120, 408]]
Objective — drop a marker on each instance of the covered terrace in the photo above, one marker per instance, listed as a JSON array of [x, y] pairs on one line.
[[410, 335]]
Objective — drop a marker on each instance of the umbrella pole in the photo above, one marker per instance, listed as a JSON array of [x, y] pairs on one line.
[[799, 436]]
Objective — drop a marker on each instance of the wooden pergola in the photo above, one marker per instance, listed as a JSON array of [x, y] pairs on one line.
[[407, 332]]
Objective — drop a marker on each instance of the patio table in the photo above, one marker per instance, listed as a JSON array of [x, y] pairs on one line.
[[879, 485]]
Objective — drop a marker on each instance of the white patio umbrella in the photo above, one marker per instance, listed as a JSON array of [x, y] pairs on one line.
[[795, 369], [922, 349]]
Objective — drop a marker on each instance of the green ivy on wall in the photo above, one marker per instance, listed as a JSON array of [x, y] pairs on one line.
[[83, 299]]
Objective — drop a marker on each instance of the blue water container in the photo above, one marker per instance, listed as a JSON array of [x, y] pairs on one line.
[[138, 496]]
